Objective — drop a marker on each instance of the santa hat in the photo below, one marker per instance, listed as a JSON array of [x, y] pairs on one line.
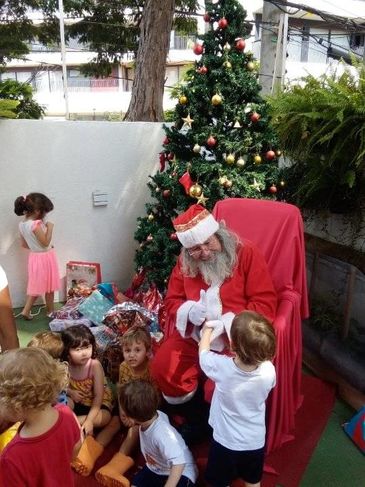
[[195, 226]]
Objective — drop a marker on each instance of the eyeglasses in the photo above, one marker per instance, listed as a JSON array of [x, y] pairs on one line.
[[210, 244]]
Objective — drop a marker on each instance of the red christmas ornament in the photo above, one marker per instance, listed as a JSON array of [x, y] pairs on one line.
[[255, 117], [211, 141], [186, 181], [166, 193], [162, 161], [198, 49], [270, 155], [149, 238], [273, 189], [240, 44], [170, 156], [166, 141], [206, 17], [222, 23], [173, 236], [202, 70]]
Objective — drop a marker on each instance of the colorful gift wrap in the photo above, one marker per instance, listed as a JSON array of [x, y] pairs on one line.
[[59, 325], [95, 307]]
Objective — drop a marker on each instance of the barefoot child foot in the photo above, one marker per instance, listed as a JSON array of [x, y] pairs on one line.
[[89, 452], [111, 474]]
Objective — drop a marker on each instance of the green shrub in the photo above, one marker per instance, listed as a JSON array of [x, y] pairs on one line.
[[321, 126]]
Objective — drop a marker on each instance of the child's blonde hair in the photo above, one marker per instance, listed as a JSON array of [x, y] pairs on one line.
[[252, 338], [30, 379], [137, 334], [50, 341]]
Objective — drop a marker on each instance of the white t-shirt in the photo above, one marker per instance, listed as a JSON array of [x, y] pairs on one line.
[[237, 412], [26, 229], [3, 279], [162, 447]]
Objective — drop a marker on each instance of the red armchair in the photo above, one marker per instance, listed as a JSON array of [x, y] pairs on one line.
[[277, 229]]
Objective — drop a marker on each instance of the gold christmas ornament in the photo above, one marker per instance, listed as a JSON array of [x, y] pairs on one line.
[[187, 121], [250, 66], [158, 189], [228, 184], [202, 200], [257, 159], [196, 148], [237, 125], [183, 100], [240, 162], [227, 65], [278, 153], [195, 191], [222, 180], [151, 217], [282, 183], [216, 99], [230, 159], [256, 185], [227, 47]]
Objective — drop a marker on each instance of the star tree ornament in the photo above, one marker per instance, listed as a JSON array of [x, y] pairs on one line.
[[202, 200], [256, 185], [187, 121]]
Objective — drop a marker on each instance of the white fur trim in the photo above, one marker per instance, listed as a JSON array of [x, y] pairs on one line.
[[199, 233], [227, 319], [179, 399], [182, 318]]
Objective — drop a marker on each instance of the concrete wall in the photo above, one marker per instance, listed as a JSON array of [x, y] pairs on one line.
[[68, 161]]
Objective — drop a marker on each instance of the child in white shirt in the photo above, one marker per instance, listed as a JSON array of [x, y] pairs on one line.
[[237, 413], [169, 462]]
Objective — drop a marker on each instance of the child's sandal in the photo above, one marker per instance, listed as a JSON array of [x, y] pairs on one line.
[[27, 318]]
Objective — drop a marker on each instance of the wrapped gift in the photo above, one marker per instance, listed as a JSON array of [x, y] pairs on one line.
[[59, 325], [95, 307], [69, 310], [109, 290], [123, 316], [111, 359], [82, 275], [105, 337]]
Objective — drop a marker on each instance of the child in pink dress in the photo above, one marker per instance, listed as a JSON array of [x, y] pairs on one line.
[[36, 235]]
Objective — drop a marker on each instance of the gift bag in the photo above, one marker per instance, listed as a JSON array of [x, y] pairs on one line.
[[69, 310], [123, 316], [59, 325], [109, 351], [82, 275], [95, 307]]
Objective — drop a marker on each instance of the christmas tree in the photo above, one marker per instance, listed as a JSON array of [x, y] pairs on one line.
[[220, 145]]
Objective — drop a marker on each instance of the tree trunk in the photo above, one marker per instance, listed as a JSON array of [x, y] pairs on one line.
[[148, 86]]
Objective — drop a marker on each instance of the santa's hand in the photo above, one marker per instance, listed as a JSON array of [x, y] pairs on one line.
[[213, 324], [198, 312]]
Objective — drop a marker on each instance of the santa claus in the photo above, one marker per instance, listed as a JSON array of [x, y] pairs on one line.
[[216, 277]]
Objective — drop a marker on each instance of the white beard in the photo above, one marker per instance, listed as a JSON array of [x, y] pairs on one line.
[[215, 270]]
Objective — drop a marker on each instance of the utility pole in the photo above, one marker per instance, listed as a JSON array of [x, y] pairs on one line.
[[274, 32], [63, 58]]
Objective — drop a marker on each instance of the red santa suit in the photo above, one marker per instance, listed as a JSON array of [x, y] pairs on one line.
[[175, 367]]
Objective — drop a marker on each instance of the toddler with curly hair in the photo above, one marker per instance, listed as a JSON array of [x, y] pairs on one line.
[[49, 437]]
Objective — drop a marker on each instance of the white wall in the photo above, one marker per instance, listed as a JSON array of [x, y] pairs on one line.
[[68, 161]]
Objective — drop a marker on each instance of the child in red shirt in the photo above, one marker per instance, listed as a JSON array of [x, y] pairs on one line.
[[49, 437]]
